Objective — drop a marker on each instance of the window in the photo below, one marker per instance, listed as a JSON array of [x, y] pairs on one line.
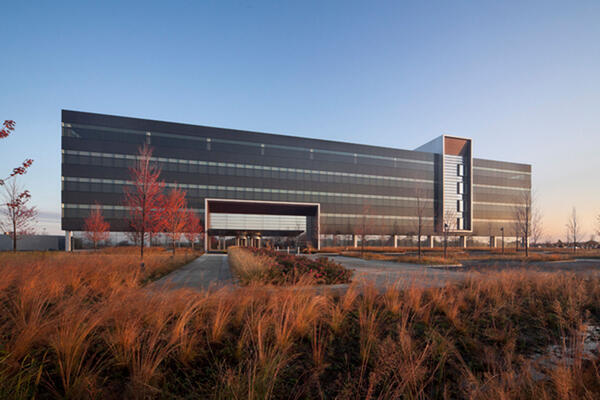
[[460, 188], [459, 223], [459, 206], [460, 170]]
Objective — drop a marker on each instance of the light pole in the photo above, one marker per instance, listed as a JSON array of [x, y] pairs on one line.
[[502, 230], [445, 239]]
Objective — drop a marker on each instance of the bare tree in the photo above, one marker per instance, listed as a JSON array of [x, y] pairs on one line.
[[420, 210], [573, 228], [489, 233], [598, 225], [522, 216], [17, 218], [448, 226], [537, 223], [363, 227], [517, 232]]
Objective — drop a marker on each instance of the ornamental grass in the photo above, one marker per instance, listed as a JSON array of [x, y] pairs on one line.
[[85, 326]]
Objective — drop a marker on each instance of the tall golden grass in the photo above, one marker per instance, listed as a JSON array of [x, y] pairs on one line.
[[85, 326], [247, 266]]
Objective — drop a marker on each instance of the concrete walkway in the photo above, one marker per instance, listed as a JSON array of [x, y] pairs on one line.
[[383, 273], [211, 271], [206, 271]]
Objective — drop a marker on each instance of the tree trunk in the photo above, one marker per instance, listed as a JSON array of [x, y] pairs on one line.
[[419, 239], [445, 244], [142, 245], [14, 235]]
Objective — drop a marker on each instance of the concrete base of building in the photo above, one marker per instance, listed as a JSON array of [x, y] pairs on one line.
[[68, 241], [429, 241]]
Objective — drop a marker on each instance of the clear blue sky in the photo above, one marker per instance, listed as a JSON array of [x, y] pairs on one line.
[[520, 78]]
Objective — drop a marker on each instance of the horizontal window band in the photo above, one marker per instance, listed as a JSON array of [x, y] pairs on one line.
[[245, 143], [249, 166], [71, 206], [112, 207], [501, 187], [510, 171], [231, 188], [485, 203], [510, 221], [374, 216]]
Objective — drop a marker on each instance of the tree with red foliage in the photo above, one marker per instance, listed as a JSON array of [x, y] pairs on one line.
[[17, 218], [8, 126], [95, 227], [193, 228], [174, 216], [143, 197]]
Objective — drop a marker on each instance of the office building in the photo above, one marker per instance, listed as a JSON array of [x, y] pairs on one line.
[[248, 185]]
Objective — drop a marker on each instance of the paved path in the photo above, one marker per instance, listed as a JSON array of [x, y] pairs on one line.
[[385, 272], [403, 274], [212, 271], [206, 271]]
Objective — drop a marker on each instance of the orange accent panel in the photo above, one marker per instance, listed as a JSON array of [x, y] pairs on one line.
[[455, 147]]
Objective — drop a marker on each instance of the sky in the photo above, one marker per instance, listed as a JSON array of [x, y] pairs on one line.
[[522, 79]]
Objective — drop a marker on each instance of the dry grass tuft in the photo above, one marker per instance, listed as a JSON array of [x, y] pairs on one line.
[[84, 326], [248, 267]]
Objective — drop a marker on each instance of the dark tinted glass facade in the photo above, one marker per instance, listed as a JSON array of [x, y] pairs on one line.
[[347, 180], [497, 188]]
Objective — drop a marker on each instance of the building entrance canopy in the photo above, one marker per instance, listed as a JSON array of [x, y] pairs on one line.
[[268, 218]]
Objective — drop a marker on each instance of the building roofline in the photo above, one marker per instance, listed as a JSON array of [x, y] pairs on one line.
[[256, 134]]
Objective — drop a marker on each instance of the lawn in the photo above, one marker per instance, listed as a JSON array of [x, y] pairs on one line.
[[86, 326]]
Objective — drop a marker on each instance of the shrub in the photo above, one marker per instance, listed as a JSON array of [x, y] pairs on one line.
[[269, 266], [249, 267]]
